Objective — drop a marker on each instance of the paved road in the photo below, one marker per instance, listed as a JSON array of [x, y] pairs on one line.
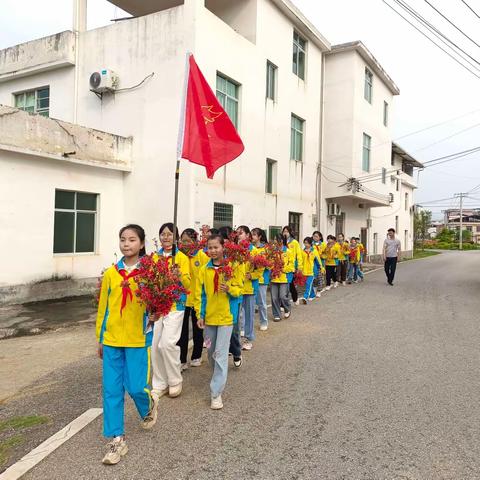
[[371, 382]]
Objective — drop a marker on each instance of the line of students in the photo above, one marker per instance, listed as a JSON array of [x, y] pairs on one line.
[[145, 355]]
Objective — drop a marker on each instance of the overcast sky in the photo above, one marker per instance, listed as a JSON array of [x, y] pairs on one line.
[[433, 88]]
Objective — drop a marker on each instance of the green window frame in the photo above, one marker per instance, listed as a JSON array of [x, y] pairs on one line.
[[75, 222], [299, 55], [368, 88], [366, 152], [271, 81], [296, 138], [222, 215], [228, 96], [273, 231], [34, 101], [271, 176]]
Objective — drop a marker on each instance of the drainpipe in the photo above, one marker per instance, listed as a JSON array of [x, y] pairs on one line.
[[319, 199], [79, 26]]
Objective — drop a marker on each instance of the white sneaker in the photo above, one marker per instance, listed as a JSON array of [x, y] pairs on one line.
[[304, 301], [276, 319], [263, 328], [335, 285], [328, 288], [196, 363], [247, 345], [216, 403], [151, 418], [175, 391], [344, 283], [287, 314], [282, 309], [160, 393], [117, 448], [319, 294], [183, 367], [311, 299], [297, 302]]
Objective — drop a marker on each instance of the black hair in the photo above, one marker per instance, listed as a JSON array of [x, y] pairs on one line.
[[214, 231], [391, 230], [341, 235], [281, 239], [191, 233], [225, 232], [261, 234], [168, 225], [141, 235], [333, 237], [289, 230], [216, 236], [319, 234], [244, 229], [309, 240]]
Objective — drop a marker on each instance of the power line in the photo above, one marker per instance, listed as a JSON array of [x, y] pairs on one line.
[[453, 24], [471, 9]]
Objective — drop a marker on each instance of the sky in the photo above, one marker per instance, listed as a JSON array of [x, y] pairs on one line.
[[434, 89]]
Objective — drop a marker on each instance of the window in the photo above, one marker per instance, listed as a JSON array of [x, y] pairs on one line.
[[405, 240], [227, 94], [367, 146], [294, 220], [398, 186], [385, 114], [396, 223], [299, 54], [34, 101], [375, 243], [384, 175], [271, 80], [296, 140], [271, 177], [368, 88], [75, 222], [392, 161], [222, 215], [406, 201], [273, 231]]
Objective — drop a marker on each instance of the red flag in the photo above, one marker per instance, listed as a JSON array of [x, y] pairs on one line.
[[209, 136]]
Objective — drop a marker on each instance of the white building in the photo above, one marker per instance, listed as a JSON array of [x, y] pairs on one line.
[[363, 184], [90, 162]]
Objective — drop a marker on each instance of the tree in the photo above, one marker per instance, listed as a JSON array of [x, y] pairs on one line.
[[446, 236], [421, 223], [466, 236]]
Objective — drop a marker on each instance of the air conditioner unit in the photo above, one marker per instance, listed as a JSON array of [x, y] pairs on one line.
[[103, 81], [334, 210]]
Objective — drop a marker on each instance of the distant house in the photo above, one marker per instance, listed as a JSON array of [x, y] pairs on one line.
[[470, 221]]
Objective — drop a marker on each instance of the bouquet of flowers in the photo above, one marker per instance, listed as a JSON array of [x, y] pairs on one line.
[[260, 261], [237, 252], [159, 285], [98, 289], [226, 271], [192, 248], [274, 256], [299, 279]]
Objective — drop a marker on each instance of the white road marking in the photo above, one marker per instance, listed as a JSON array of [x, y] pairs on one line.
[[48, 446]]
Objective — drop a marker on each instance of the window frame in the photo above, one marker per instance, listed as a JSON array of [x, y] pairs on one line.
[[270, 163], [385, 113], [292, 223], [271, 83], [366, 149], [44, 111], [298, 49], [368, 86], [406, 200], [75, 211], [224, 97], [222, 223], [294, 133]]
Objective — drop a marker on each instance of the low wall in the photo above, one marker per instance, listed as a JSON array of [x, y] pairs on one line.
[[378, 259]]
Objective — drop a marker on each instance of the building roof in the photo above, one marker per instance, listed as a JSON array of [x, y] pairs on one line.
[[146, 7], [371, 61], [406, 157]]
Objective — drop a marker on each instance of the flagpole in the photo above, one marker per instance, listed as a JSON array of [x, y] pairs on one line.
[[181, 133]]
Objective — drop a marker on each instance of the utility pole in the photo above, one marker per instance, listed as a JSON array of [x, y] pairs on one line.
[[460, 237]]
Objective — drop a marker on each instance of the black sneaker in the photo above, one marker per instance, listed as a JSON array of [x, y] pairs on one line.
[[237, 362]]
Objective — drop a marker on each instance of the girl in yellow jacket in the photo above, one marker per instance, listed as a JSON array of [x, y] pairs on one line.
[[311, 262], [342, 267], [319, 246], [259, 239], [331, 261], [124, 345], [197, 260], [279, 284], [216, 307], [166, 368], [296, 249]]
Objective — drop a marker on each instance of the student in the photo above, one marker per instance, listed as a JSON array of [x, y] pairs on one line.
[[363, 254], [259, 239], [310, 260], [293, 245], [331, 260], [123, 345], [214, 303], [353, 260], [343, 249], [279, 285], [249, 293], [167, 376], [197, 260], [319, 245]]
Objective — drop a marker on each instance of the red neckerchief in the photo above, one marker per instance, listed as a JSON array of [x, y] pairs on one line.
[[216, 277], [126, 291]]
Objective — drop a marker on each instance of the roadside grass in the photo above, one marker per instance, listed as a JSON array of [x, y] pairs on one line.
[[13, 425], [423, 254]]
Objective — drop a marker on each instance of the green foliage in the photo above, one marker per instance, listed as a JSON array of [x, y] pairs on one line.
[[466, 236], [7, 445], [446, 235], [421, 222], [18, 423]]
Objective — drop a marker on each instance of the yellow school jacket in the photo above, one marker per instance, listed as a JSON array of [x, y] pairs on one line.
[[343, 249], [309, 260], [354, 254], [296, 249], [196, 263], [250, 285], [116, 327], [331, 255], [217, 308], [265, 277], [184, 265], [288, 266]]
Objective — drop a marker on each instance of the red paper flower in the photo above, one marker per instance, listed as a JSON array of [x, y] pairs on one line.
[[274, 254], [299, 279]]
